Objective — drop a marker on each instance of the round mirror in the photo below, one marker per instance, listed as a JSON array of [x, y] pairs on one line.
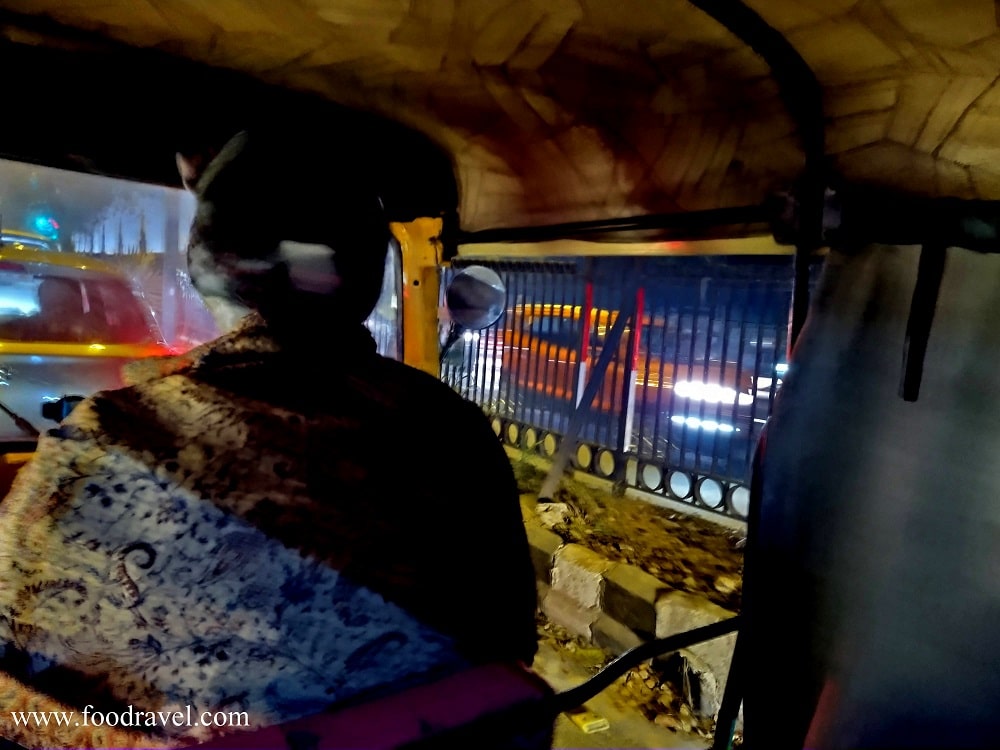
[[476, 297]]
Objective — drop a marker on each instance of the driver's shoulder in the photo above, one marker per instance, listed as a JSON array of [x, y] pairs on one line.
[[416, 389]]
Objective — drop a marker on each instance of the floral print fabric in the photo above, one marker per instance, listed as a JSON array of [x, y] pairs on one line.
[[213, 536]]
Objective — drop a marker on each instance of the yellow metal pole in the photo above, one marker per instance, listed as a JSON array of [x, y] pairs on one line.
[[421, 250]]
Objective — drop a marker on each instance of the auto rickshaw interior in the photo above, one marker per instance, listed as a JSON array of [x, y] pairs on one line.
[[529, 130]]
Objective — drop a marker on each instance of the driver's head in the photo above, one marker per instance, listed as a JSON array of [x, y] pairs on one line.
[[58, 296], [292, 229]]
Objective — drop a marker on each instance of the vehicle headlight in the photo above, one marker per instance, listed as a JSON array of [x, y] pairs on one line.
[[709, 425], [711, 393]]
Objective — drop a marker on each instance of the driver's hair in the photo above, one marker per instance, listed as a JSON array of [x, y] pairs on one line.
[[56, 294]]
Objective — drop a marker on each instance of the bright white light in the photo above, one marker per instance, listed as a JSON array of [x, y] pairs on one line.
[[711, 393], [471, 336], [781, 368], [764, 382], [22, 305], [709, 425]]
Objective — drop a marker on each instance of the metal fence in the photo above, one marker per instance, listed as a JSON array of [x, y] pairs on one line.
[[688, 385]]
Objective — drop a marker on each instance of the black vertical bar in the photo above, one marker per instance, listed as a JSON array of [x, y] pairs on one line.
[[538, 341], [583, 362], [736, 315], [762, 307], [505, 340], [691, 350], [545, 283], [706, 357], [642, 407], [732, 698], [623, 440], [930, 272], [661, 383], [478, 377], [779, 286], [598, 302], [721, 443], [550, 284], [609, 389], [556, 278], [490, 389], [776, 332], [615, 388], [601, 302], [533, 351], [746, 325], [675, 432], [710, 339], [519, 396], [568, 344], [780, 349], [593, 430], [528, 400]]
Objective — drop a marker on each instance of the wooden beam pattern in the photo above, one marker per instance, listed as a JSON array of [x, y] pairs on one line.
[[565, 110]]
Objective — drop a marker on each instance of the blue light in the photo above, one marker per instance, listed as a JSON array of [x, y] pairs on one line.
[[45, 225]]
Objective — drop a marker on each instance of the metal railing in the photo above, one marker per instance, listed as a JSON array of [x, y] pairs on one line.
[[689, 386]]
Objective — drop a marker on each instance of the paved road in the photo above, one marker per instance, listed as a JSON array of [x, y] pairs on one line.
[[628, 729]]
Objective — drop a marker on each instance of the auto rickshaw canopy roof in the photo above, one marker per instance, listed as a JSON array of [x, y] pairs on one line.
[[550, 111]]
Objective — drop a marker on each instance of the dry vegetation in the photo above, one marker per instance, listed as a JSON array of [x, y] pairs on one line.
[[684, 551], [653, 692]]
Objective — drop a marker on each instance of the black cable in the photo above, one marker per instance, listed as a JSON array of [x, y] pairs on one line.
[[575, 697]]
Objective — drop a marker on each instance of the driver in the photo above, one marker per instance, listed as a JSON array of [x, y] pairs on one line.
[[280, 520]]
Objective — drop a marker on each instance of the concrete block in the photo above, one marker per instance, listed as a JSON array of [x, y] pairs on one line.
[[614, 636], [543, 545], [708, 698], [579, 573], [677, 612], [630, 596], [561, 609]]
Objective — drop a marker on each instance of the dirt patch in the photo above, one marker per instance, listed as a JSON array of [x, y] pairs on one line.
[[656, 695], [684, 551]]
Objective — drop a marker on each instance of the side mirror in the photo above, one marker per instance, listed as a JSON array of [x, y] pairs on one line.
[[475, 298]]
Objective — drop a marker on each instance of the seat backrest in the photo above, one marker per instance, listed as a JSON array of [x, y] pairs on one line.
[[461, 710]]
